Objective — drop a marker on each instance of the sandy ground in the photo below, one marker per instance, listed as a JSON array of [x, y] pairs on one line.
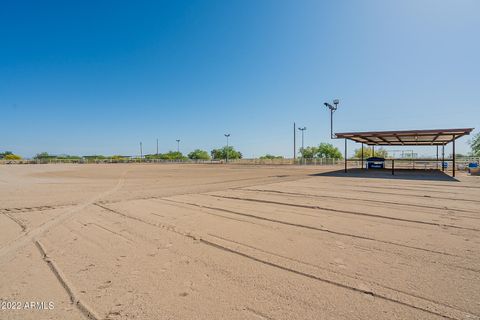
[[133, 241]]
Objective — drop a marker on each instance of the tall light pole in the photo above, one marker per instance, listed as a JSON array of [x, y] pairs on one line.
[[227, 135], [332, 110], [294, 142], [302, 129], [178, 145]]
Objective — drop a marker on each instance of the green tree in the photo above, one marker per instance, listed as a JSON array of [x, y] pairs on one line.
[[4, 154], [44, 155], [12, 156], [270, 157], [475, 145], [222, 153], [172, 155], [368, 152], [324, 150], [327, 150], [308, 152], [198, 154]]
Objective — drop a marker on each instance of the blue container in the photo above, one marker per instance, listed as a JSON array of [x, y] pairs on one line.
[[375, 163]]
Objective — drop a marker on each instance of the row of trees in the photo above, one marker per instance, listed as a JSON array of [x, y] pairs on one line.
[[323, 150], [197, 154], [328, 151]]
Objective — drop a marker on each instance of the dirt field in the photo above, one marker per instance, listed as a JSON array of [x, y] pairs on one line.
[[133, 241]]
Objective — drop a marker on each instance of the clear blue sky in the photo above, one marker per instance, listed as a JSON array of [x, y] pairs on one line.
[[97, 77]]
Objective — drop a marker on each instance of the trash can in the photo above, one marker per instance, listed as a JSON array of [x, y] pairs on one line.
[[375, 163]]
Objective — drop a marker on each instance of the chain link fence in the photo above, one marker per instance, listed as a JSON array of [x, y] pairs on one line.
[[425, 164]]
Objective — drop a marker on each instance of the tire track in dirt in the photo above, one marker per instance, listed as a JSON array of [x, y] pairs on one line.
[[419, 187], [30, 235], [328, 270], [396, 194], [344, 211], [425, 305], [349, 235], [257, 314], [332, 232], [81, 306], [108, 230], [34, 209], [364, 200], [17, 221], [258, 181]]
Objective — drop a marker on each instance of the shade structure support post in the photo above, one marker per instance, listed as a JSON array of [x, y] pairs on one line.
[[362, 156], [393, 167], [437, 156], [443, 158], [453, 165], [345, 155], [373, 150]]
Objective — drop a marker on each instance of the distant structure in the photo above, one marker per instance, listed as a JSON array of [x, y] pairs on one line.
[[433, 137]]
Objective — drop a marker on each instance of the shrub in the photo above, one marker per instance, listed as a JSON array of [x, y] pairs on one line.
[[270, 157]]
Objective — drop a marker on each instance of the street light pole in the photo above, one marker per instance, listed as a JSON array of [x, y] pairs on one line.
[[303, 130], [178, 145], [332, 108], [294, 142], [227, 135]]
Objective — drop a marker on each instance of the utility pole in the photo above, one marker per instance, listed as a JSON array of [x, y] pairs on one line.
[[294, 142], [178, 145], [157, 146], [227, 135], [141, 151]]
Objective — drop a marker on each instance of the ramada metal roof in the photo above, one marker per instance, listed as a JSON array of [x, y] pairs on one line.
[[406, 137]]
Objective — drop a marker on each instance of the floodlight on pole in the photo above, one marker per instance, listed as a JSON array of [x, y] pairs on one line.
[[227, 135], [178, 145], [303, 130], [332, 108]]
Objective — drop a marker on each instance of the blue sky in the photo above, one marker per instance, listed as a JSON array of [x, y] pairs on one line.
[[98, 77]]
